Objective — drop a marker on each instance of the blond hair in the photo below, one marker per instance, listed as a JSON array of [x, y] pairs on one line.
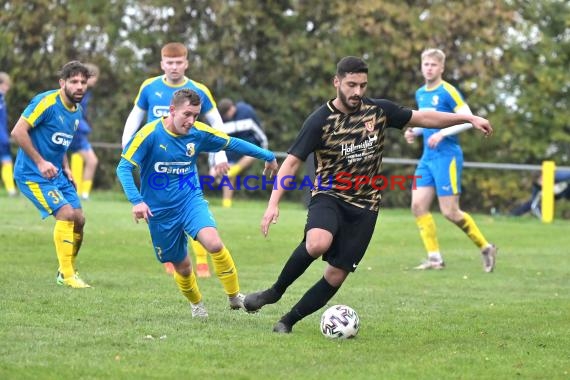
[[438, 54], [4, 77]]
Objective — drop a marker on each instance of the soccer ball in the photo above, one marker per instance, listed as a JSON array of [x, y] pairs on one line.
[[340, 321]]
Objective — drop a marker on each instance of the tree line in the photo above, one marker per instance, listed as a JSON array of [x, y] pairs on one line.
[[510, 59]]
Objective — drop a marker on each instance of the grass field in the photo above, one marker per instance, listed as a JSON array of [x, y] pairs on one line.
[[459, 323]]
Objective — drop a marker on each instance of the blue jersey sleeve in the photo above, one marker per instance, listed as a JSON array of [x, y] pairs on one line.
[[39, 109], [132, 156], [4, 139], [249, 149], [141, 100], [453, 97], [137, 149], [208, 102], [125, 175]]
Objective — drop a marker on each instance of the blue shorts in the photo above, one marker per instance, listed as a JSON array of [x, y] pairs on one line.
[[5, 154], [49, 195], [442, 173], [169, 229], [79, 143]]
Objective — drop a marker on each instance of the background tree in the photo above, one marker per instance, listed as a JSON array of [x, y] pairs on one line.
[[510, 59]]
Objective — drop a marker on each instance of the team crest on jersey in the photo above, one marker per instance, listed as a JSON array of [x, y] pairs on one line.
[[190, 150], [435, 100], [370, 124], [76, 125]]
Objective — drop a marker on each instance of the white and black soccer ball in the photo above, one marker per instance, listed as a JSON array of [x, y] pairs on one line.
[[340, 321]]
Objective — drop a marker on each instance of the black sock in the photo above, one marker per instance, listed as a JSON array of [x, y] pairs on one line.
[[312, 300], [299, 261]]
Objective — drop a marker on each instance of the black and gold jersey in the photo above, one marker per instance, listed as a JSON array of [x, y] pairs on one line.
[[348, 148]]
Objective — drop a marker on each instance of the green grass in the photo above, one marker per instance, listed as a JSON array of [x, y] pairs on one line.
[[460, 323]]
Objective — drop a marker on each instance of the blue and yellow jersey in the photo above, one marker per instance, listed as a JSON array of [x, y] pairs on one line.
[[53, 126], [167, 162], [443, 98], [4, 138], [155, 95]]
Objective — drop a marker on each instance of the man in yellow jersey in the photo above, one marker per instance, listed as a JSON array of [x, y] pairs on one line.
[[5, 155], [171, 200], [153, 100], [44, 133], [439, 170]]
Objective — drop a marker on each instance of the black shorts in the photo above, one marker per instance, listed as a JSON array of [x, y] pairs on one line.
[[352, 228]]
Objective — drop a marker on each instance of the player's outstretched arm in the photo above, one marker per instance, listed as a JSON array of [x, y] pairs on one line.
[[438, 120], [270, 168], [284, 177]]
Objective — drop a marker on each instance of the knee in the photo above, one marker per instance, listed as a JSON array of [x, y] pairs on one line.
[[417, 209], [66, 213], [78, 220], [184, 270], [316, 248], [212, 246], [335, 276], [452, 215]]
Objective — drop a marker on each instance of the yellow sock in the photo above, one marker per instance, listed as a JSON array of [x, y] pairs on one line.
[[188, 286], [234, 171], [426, 224], [227, 203], [77, 171], [470, 228], [226, 271], [86, 188], [199, 251], [8, 177], [63, 239], [77, 240]]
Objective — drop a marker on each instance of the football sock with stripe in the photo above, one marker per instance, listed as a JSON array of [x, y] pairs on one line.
[[77, 240], [188, 287], [199, 251], [8, 177], [470, 228], [426, 225], [226, 271], [76, 163], [234, 171], [63, 239], [86, 186]]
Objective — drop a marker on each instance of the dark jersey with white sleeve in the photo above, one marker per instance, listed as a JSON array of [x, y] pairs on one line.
[[348, 149]]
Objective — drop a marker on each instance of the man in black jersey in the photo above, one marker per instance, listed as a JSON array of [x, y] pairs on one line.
[[346, 135]]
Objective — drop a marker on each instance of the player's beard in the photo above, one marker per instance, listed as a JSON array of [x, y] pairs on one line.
[[344, 100], [73, 97]]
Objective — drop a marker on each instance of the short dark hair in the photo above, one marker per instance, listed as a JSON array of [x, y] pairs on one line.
[[72, 68], [351, 64], [224, 106], [186, 95]]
